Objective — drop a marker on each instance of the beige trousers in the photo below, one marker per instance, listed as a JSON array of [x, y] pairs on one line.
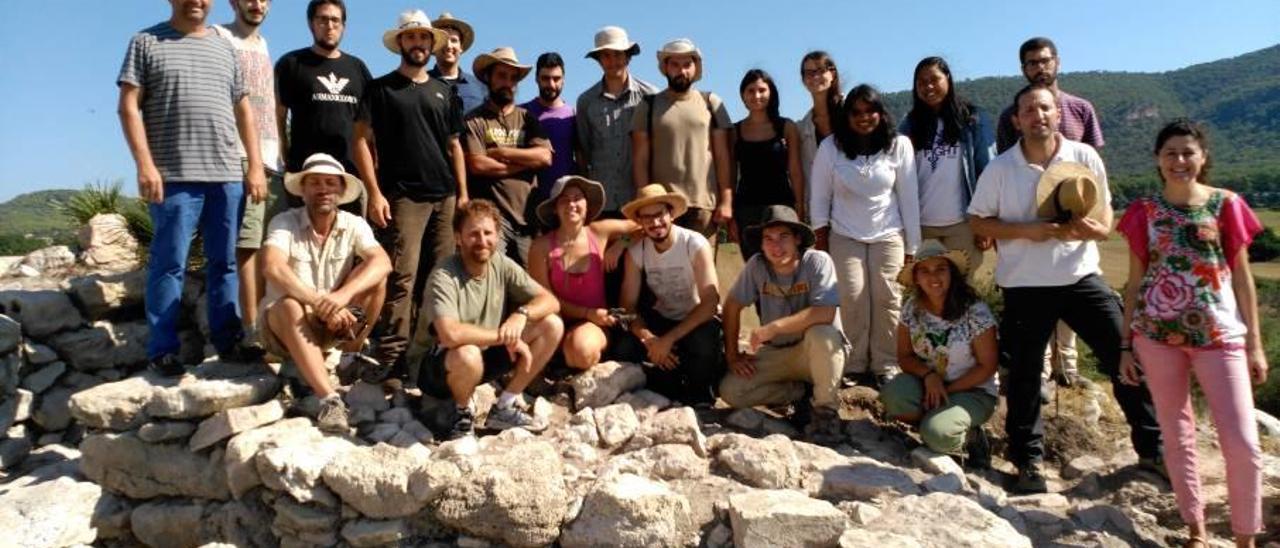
[[869, 301], [781, 373], [959, 237]]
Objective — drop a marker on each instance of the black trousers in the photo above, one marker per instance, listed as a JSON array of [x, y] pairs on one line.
[[701, 366], [1092, 310]]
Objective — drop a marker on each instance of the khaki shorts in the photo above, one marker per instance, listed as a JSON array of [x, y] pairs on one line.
[[328, 339], [257, 216]]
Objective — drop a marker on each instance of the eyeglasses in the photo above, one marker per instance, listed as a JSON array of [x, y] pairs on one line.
[[1041, 62], [814, 73], [323, 20], [646, 218]]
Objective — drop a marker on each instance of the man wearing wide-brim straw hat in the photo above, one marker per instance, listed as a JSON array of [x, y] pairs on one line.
[[793, 287], [681, 136], [449, 61], [506, 148], [604, 113], [1048, 270], [316, 296], [679, 334], [414, 120]]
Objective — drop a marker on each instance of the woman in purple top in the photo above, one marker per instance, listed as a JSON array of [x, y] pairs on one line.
[[569, 260]]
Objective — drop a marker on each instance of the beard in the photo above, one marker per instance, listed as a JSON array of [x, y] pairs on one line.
[[1045, 78], [679, 83], [502, 96], [548, 94], [252, 20], [326, 45], [406, 55]]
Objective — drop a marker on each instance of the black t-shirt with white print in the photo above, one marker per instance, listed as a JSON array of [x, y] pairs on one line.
[[323, 97]]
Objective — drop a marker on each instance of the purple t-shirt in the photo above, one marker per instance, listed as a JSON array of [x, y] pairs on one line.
[[558, 125]]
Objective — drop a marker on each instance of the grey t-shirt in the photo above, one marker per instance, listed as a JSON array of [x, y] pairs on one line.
[[190, 85], [480, 301], [778, 296]]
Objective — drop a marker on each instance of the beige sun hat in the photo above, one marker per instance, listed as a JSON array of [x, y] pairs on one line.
[[414, 20], [1069, 190], [681, 46], [593, 190], [324, 164], [447, 21], [613, 38], [929, 250], [504, 55], [656, 193]]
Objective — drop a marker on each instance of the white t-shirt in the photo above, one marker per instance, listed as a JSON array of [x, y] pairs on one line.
[[669, 274], [941, 184], [1007, 191], [868, 198], [259, 79]]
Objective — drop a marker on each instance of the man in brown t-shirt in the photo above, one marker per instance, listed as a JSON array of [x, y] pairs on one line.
[[505, 149], [681, 137]]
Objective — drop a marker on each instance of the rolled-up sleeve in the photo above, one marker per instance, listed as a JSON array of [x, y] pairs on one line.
[[821, 185]]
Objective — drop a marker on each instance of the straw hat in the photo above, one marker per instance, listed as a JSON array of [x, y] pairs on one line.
[[931, 249], [592, 190], [613, 38], [324, 164], [681, 46], [413, 20], [780, 215], [1068, 190], [447, 21], [656, 193], [504, 55]]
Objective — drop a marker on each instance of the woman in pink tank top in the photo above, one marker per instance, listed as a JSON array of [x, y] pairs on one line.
[[570, 262]]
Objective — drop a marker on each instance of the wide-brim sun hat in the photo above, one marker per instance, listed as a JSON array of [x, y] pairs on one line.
[[324, 164], [613, 38], [447, 21], [656, 193], [1069, 190], [593, 191], [504, 55], [414, 20], [775, 215], [681, 46], [931, 249]]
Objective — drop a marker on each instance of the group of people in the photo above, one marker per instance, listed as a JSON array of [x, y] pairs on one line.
[[446, 236]]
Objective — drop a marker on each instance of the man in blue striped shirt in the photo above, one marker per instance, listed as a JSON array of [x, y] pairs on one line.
[[182, 103]]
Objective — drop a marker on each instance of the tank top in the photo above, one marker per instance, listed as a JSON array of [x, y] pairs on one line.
[[585, 289], [762, 169]]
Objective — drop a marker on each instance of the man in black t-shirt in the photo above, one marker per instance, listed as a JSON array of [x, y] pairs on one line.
[[318, 93], [414, 122]]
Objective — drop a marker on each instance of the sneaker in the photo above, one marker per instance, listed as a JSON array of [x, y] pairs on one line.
[[978, 449], [243, 352], [882, 379], [825, 428], [462, 425], [370, 370], [801, 414], [1030, 480], [1155, 465], [332, 417], [503, 418], [167, 366]]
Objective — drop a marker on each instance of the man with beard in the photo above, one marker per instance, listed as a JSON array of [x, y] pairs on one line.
[[604, 117], [681, 137], [678, 335], [255, 68], [317, 297], [469, 342], [1048, 271], [557, 120], [182, 103], [414, 121], [449, 61], [506, 148]]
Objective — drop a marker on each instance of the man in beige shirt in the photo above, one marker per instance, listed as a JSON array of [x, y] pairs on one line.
[[317, 297]]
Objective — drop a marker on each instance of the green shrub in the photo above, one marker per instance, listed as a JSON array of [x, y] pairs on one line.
[[108, 197], [1266, 247]]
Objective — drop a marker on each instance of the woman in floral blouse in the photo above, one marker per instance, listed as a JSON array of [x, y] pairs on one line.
[[947, 353], [1190, 307]]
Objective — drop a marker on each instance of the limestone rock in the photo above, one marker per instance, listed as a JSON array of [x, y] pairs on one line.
[[860, 513], [1081, 466], [783, 518], [945, 483], [667, 462], [628, 510], [102, 296], [297, 468], [678, 425], [10, 365], [44, 377], [382, 432], [217, 386], [14, 450], [768, 463], [941, 520], [38, 354], [861, 479], [107, 243], [41, 313], [16, 407], [54, 412], [139, 470], [52, 513], [113, 406], [602, 384], [857, 538], [103, 345], [230, 422], [366, 532], [240, 469], [646, 403], [398, 415], [616, 424], [516, 496], [10, 334], [296, 519], [748, 419], [935, 463], [381, 481], [50, 258], [164, 524]]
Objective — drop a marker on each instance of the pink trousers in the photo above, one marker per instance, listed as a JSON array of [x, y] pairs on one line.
[[1223, 375]]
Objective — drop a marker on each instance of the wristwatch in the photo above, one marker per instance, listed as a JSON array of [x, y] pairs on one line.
[[523, 311]]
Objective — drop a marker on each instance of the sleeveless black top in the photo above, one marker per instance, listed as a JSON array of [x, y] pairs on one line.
[[762, 169]]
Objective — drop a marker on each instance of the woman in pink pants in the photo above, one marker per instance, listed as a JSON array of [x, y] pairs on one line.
[[1190, 307]]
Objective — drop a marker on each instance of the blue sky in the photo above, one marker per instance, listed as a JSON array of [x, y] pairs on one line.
[[61, 57]]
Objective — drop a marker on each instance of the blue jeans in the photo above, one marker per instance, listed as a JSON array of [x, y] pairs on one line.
[[216, 209]]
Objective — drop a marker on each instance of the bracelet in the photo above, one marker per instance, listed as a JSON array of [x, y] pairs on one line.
[[1126, 348]]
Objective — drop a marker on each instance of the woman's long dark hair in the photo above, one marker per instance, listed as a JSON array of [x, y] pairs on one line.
[[773, 108], [956, 113], [833, 93], [847, 140], [960, 295], [1187, 127]]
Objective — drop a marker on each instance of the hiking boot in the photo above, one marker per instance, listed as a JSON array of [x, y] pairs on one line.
[[977, 447], [167, 366], [1155, 465], [825, 427], [370, 370], [243, 352], [1030, 480], [505, 417], [333, 416], [1066, 379], [462, 425], [881, 379]]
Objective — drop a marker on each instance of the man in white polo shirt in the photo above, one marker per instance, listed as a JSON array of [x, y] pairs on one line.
[[1048, 271]]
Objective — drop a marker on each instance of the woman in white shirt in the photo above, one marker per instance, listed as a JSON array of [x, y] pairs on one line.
[[864, 205]]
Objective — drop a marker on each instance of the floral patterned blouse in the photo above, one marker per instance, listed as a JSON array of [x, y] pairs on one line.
[[1186, 298], [947, 346]]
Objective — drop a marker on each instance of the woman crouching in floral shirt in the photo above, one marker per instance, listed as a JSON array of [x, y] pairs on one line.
[[1190, 306]]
